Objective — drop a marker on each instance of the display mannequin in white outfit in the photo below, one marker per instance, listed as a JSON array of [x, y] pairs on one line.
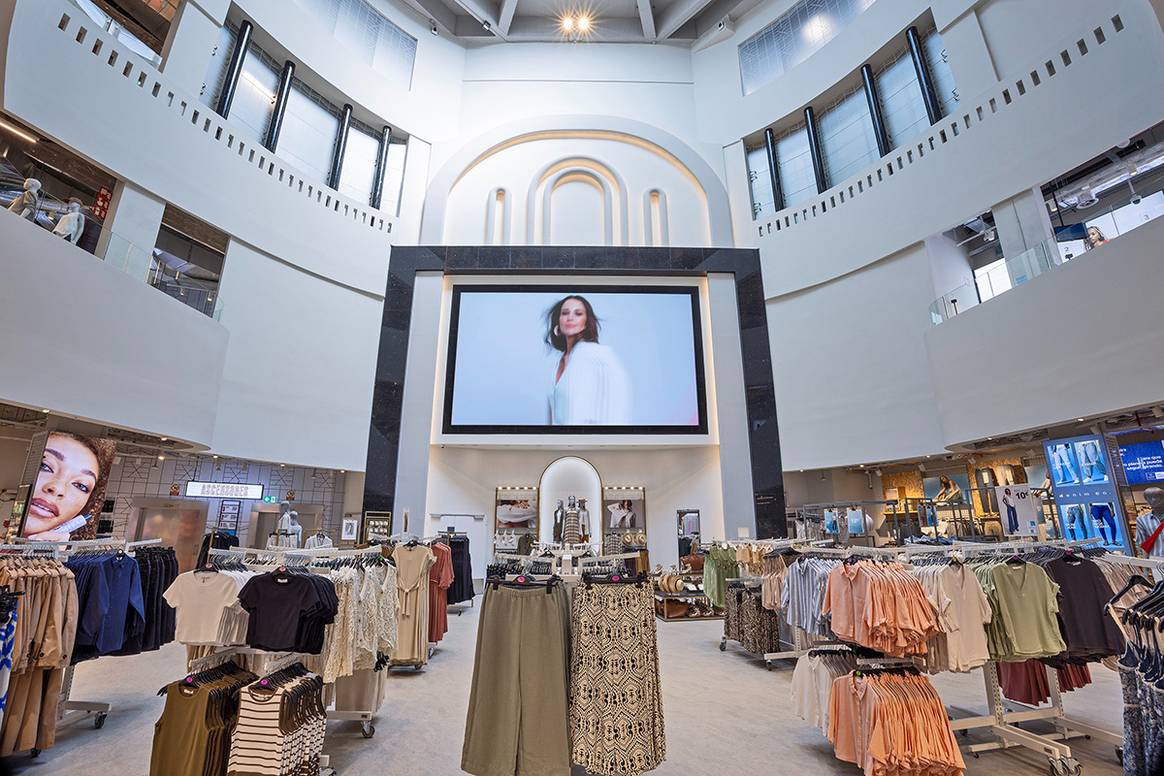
[[591, 387]]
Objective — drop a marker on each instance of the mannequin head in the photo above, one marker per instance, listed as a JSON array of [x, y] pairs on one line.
[[1155, 499], [294, 517], [31, 184], [74, 206]]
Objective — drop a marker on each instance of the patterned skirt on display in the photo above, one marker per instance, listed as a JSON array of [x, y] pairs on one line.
[[616, 708]]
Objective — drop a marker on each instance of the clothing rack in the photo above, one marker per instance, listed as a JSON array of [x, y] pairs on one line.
[[68, 710], [1001, 720], [276, 662], [363, 716]]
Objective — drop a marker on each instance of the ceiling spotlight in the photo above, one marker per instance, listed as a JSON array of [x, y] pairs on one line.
[[567, 24], [343, 471], [282, 466], [1079, 420], [165, 439], [487, 26], [46, 411], [433, 28], [862, 466], [584, 24], [161, 457]]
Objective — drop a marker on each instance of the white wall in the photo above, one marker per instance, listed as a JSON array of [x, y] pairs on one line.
[[1099, 329], [463, 480], [84, 339], [852, 377], [297, 387]]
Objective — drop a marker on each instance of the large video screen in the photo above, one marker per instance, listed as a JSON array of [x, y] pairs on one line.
[[540, 359]]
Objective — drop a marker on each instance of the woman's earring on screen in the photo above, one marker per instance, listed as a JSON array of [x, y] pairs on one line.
[[557, 332]]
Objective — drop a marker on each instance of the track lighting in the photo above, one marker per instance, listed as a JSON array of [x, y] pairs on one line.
[[487, 26]]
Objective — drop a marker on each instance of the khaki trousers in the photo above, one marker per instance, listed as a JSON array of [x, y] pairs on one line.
[[518, 719]]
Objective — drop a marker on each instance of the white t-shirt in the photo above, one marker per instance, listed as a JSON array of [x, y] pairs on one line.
[[200, 599]]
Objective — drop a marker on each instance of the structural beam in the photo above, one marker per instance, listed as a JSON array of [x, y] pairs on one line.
[[341, 145], [929, 97], [271, 141], [234, 69], [676, 15], [484, 12], [505, 16], [873, 98], [647, 17], [818, 167], [438, 13]]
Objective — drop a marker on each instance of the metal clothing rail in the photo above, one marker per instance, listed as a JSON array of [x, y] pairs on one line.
[[68, 710], [276, 662], [1004, 714]]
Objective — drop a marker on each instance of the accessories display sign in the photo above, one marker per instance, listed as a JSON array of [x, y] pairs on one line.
[[224, 490]]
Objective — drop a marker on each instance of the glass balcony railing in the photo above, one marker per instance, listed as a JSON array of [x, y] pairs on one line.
[[1100, 228], [147, 264]]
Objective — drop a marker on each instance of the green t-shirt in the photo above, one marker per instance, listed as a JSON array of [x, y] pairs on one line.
[[1028, 602]]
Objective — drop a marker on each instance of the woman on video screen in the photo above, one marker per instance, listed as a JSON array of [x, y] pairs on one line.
[[590, 385], [70, 488]]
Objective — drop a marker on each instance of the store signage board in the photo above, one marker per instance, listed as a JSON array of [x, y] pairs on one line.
[[1143, 462], [224, 490]]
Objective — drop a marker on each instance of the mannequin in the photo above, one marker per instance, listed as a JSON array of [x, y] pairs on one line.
[[288, 532], [559, 519], [71, 224], [950, 492], [583, 520], [1149, 531], [27, 205], [571, 533]]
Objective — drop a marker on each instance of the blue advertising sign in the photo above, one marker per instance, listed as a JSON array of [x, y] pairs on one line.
[[1085, 491], [1143, 462]]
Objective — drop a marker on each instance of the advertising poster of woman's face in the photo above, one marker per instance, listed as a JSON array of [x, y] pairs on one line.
[[66, 500]]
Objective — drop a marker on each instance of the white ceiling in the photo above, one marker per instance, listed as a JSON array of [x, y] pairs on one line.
[[612, 21]]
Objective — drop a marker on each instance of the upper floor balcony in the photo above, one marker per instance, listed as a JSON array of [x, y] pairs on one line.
[[111, 106], [1005, 140]]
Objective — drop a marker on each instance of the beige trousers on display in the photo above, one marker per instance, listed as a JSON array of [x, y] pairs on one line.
[[517, 721]]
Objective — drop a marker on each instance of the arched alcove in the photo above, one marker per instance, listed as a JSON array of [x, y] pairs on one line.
[[565, 477], [656, 227], [575, 174]]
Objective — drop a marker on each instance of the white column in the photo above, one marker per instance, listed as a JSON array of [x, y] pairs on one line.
[[1023, 222], [728, 400], [406, 230], [189, 47], [740, 196], [131, 229]]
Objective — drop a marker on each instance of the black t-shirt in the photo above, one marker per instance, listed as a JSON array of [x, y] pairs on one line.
[[1090, 634], [288, 611]]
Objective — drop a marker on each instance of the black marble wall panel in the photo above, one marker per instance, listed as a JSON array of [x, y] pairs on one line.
[[743, 264]]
